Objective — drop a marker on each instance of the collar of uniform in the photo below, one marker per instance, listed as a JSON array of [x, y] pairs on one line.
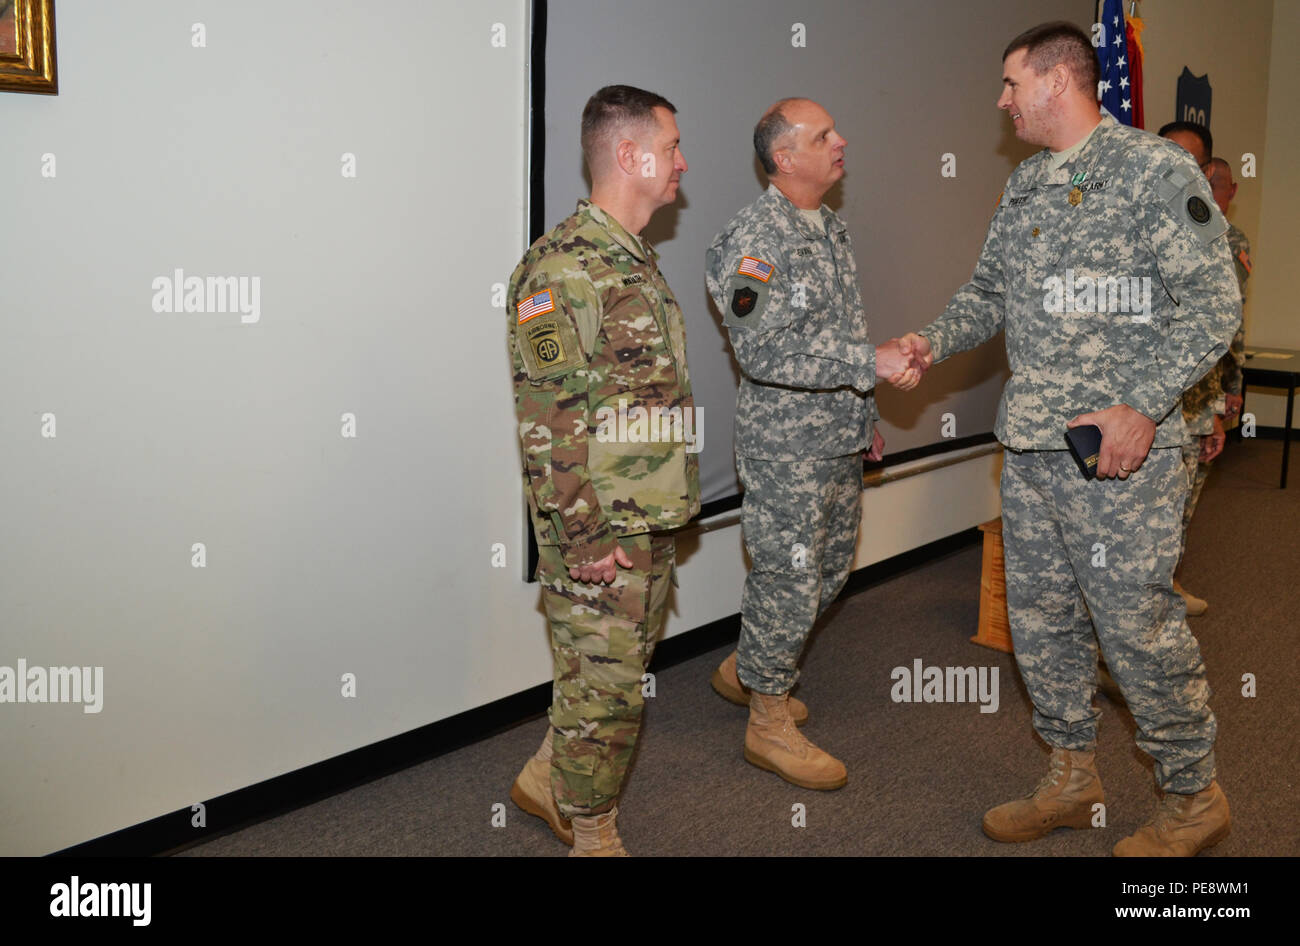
[[1086, 157], [777, 199], [638, 249]]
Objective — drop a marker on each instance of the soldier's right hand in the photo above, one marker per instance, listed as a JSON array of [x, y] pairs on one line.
[[602, 572], [917, 347]]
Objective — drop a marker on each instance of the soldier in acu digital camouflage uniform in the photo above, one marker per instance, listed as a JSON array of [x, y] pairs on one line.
[[783, 275], [1205, 403], [1224, 189], [1218, 396], [1102, 206], [608, 429], [1231, 365]]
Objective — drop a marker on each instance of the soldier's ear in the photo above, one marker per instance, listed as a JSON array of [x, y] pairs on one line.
[[784, 161], [1060, 78], [627, 154]]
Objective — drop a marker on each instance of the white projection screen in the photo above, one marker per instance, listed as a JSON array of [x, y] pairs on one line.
[[907, 83]]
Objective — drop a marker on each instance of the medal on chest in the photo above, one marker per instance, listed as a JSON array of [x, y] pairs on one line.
[[1076, 195]]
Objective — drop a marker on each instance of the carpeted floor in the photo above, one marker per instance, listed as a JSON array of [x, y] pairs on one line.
[[920, 775]]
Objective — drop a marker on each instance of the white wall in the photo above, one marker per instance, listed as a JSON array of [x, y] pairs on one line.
[[325, 555]]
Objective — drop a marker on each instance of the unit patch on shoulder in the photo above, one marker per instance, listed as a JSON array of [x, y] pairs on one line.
[[745, 301], [742, 302], [1181, 189], [750, 266], [539, 303], [549, 348]]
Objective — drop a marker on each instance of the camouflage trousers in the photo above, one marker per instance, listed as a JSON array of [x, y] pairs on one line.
[[1196, 474], [1099, 555], [602, 638], [800, 522]]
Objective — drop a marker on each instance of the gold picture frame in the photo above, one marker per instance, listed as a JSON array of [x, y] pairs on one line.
[[27, 62]]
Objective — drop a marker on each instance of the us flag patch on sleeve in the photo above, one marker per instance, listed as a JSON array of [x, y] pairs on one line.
[[749, 266], [539, 303]]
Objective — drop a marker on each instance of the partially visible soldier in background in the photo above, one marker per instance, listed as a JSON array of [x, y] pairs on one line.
[[783, 274], [596, 334], [1224, 189], [1194, 138], [1205, 403]]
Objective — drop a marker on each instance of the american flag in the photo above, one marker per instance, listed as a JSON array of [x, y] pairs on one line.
[[1115, 88], [756, 268], [538, 303]]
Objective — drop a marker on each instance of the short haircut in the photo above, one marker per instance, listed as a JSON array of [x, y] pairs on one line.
[[1059, 42], [1200, 131], [1219, 168], [612, 110], [771, 128]]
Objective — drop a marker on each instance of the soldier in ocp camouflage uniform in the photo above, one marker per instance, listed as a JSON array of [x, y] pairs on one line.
[[783, 274], [596, 338], [1085, 555]]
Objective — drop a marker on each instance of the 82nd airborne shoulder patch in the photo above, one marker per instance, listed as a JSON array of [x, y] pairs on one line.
[[545, 337]]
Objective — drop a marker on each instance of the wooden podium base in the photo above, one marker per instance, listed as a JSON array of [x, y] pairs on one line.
[[994, 627]]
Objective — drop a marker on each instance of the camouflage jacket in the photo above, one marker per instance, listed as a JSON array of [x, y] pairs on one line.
[[790, 301], [602, 393], [1205, 398], [1235, 360], [1113, 281]]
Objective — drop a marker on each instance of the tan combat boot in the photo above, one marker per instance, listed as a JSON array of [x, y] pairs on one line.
[[1195, 606], [729, 687], [597, 836], [532, 792], [773, 742], [1063, 799], [1183, 826]]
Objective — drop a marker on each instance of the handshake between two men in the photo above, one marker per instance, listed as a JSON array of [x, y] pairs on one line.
[[902, 361], [1126, 434]]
